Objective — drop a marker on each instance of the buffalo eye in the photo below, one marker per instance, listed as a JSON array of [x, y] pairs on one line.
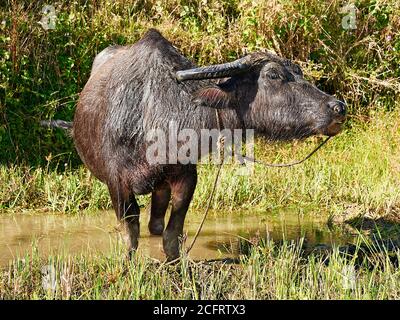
[[297, 70]]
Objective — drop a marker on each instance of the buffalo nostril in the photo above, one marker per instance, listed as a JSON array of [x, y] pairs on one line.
[[338, 107]]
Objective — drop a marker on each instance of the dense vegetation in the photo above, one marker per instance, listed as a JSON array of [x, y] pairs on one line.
[[42, 71], [355, 176]]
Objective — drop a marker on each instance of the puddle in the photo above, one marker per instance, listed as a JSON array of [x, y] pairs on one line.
[[74, 235]]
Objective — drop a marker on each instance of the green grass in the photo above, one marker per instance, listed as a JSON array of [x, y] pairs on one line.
[[269, 271], [356, 173]]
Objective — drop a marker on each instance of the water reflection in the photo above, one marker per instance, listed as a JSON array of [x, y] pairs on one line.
[[53, 234]]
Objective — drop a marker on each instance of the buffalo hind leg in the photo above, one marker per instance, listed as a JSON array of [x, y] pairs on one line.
[[182, 189], [159, 205], [127, 211]]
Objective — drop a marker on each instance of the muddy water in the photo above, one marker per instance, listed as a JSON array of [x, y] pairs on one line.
[[54, 234]]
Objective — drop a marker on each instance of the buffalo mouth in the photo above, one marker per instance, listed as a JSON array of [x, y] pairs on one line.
[[334, 127]]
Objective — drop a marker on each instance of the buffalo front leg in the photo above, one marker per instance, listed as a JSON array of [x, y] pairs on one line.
[[182, 189], [127, 211], [159, 205]]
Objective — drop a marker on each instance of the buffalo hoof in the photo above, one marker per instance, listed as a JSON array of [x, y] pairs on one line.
[[156, 228], [173, 261], [171, 246], [131, 254]]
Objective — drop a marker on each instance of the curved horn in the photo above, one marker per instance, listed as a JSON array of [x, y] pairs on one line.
[[222, 70]]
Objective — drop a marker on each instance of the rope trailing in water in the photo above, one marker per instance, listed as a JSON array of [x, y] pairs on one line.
[[206, 211], [221, 142]]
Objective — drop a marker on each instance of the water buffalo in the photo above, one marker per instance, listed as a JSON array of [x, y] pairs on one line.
[[133, 89]]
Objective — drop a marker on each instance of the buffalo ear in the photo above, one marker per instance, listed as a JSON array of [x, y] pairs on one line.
[[214, 97]]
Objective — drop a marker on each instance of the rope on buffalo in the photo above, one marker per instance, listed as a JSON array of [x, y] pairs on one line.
[[221, 148], [285, 165]]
